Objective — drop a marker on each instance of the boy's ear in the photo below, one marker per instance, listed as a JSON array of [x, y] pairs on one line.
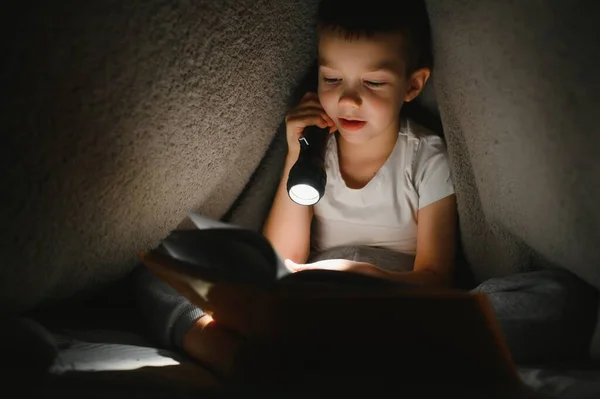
[[416, 83]]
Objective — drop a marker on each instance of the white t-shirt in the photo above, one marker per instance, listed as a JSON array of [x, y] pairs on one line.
[[384, 212]]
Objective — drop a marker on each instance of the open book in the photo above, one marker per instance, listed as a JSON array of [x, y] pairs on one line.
[[449, 334]]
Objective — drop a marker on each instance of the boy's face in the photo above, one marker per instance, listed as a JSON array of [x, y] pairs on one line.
[[363, 79]]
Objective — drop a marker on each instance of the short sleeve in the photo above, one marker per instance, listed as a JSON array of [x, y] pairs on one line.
[[432, 177]]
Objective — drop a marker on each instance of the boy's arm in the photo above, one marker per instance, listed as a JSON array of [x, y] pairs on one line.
[[436, 241], [288, 225]]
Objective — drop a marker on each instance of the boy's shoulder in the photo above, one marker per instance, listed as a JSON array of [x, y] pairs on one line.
[[419, 134], [414, 130], [426, 148]]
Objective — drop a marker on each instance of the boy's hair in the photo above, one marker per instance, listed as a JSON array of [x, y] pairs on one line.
[[354, 19]]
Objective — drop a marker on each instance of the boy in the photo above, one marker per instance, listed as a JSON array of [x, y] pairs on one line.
[[388, 180], [388, 183]]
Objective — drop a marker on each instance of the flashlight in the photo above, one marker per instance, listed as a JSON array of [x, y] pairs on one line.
[[307, 178]]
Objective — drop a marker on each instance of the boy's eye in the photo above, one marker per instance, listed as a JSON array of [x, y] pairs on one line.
[[374, 83], [331, 80]]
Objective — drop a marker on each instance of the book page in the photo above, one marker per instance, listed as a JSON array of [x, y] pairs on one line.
[[232, 252], [203, 222]]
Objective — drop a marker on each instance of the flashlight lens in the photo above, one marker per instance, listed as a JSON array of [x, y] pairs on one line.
[[304, 194]]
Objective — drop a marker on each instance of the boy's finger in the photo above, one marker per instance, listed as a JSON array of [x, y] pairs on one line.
[[304, 121], [289, 264], [329, 120], [309, 94], [331, 124], [310, 100], [292, 266], [307, 110]]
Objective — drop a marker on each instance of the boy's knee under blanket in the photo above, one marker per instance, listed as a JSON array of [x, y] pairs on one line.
[[545, 316]]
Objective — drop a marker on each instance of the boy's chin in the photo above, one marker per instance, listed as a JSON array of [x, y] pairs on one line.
[[356, 137]]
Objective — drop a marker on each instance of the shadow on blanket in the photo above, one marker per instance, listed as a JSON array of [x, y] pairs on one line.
[[184, 380]]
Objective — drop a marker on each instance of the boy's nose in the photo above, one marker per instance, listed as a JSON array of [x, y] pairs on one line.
[[350, 99]]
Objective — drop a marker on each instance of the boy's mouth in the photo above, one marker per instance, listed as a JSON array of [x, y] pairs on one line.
[[348, 124]]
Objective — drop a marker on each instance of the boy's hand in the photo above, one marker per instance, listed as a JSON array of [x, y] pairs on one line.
[[308, 112]]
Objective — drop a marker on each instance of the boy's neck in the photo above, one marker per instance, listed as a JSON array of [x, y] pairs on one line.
[[379, 147]]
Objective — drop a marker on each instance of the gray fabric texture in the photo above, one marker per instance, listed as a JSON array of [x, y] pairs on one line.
[[519, 108], [520, 119], [120, 117], [545, 316]]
